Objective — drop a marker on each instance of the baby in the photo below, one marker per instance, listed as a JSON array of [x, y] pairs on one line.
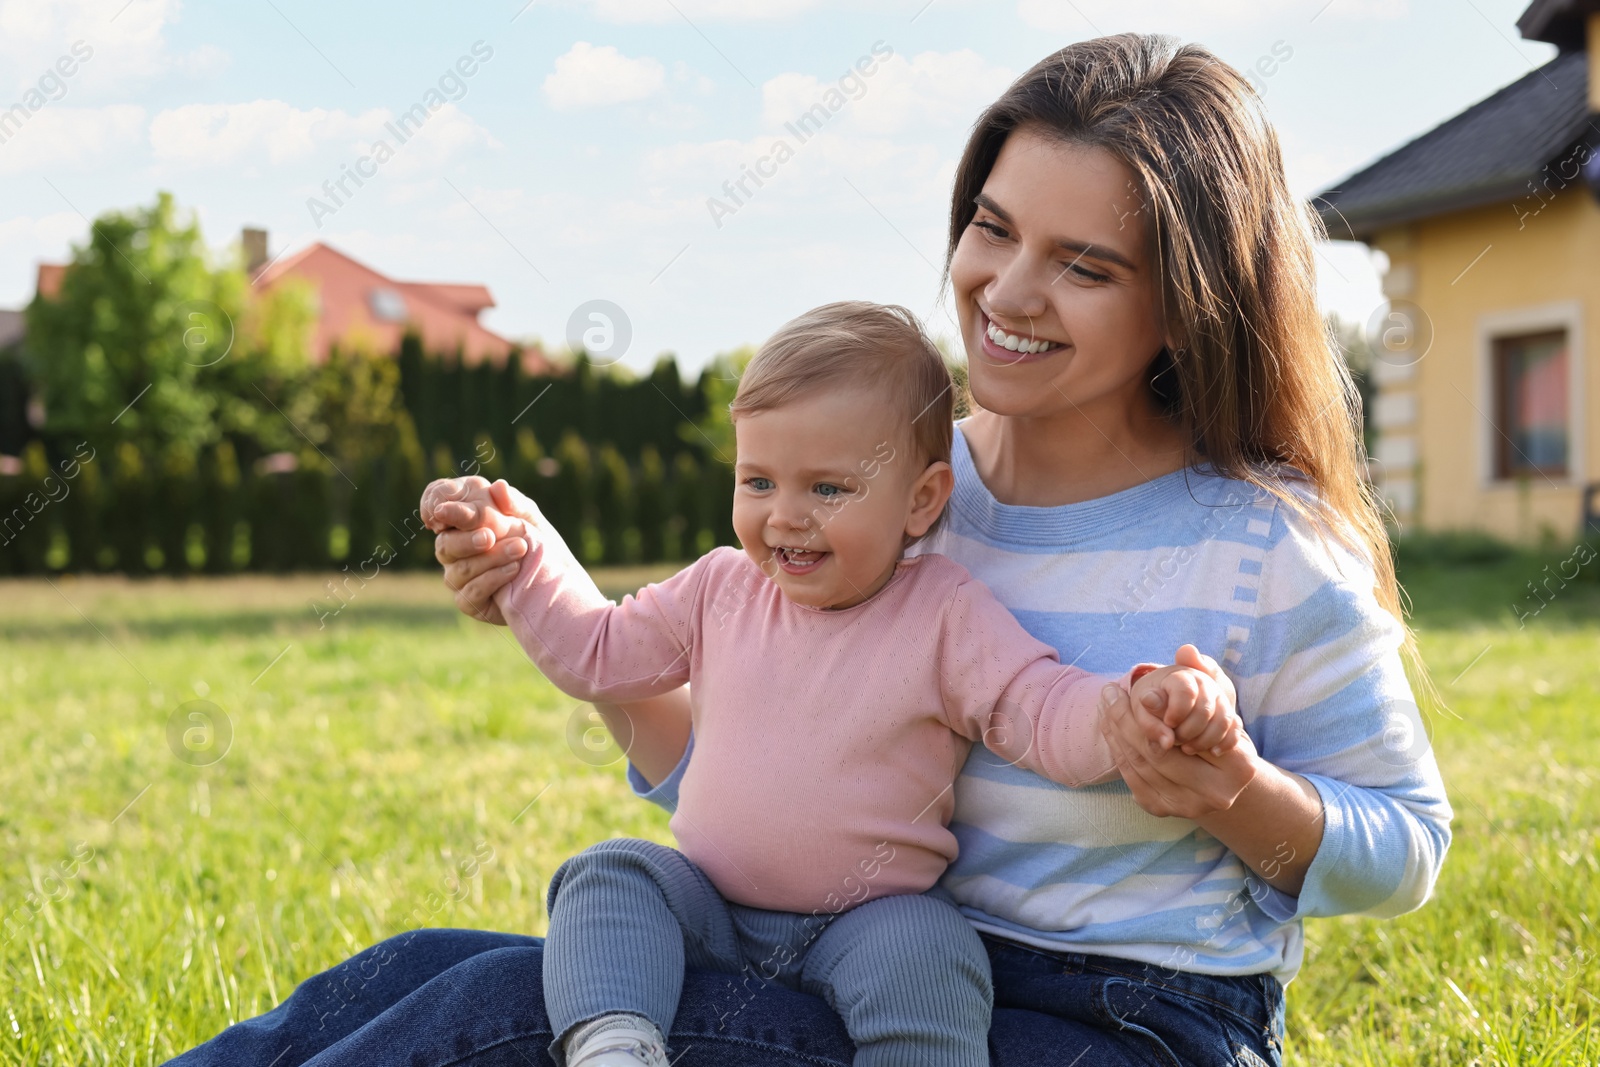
[[836, 688]]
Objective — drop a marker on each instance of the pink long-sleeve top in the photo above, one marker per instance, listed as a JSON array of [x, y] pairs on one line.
[[826, 741]]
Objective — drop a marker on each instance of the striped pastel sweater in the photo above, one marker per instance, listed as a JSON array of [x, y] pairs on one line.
[[1291, 616]]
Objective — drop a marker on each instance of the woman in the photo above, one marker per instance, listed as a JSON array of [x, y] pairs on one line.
[[1166, 448]]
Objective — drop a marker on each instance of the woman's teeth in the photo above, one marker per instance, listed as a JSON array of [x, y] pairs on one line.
[[1014, 343]]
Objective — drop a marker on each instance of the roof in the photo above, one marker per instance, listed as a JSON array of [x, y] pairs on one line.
[[1563, 23], [1487, 154], [469, 298], [357, 301]]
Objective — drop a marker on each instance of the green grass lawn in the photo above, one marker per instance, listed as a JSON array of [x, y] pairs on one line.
[[396, 765]]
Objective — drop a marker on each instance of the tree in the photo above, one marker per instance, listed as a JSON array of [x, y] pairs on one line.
[[264, 388], [650, 505], [119, 354], [571, 496], [1357, 353], [148, 343], [222, 509], [719, 381], [14, 429], [613, 496], [353, 407]]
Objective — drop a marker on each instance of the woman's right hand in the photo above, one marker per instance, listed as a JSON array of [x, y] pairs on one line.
[[480, 551]]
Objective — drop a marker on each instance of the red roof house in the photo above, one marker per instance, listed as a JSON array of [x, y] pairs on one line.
[[357, 304]]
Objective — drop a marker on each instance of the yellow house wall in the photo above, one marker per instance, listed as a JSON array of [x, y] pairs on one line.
[[1534, 253]]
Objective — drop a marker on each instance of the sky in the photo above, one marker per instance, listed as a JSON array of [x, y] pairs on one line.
[[572, 151]]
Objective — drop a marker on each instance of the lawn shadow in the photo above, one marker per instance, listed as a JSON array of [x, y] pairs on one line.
[[253, 623], [1521, 588], [159, 608]]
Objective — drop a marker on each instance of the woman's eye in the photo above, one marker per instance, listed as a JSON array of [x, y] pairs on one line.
[[991, 229], [1086, 275]]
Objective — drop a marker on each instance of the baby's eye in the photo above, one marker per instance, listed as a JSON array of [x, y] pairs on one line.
[[826, 490], [760, 485]]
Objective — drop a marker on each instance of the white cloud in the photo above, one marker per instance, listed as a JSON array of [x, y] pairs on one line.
[[893, 134], [591, 77], [1189, 18], [637, 11], [662, 11], [219, 134], [684, 74], [930, 89], [58, 228], [272, 131], [205, 61], [126, 44], [906, 172], [58, 136], [698, 160], [449, 133], [30, 241]]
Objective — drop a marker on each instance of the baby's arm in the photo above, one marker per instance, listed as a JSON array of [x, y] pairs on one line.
[[587, 646], [1009, 691], [1046, 716]]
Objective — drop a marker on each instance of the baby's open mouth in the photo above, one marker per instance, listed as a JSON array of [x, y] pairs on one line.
[[798, 561]]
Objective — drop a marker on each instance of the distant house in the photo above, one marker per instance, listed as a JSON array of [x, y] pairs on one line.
[[356, 304], [1488, 362], [13, 326]]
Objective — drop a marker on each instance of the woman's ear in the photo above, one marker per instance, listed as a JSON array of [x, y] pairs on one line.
[[929, 494]]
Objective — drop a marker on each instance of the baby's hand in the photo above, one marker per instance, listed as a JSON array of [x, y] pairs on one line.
[[484, 530], [465, 504], [1191, 703]]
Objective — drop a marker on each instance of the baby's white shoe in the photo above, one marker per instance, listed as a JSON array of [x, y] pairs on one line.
[[622, 1040]]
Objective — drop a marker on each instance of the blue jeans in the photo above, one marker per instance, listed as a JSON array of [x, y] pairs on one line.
[[628, 917], [1052, 1007], [469, 998]]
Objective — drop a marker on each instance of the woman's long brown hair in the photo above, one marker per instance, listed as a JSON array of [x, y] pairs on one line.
[[1255, 377]]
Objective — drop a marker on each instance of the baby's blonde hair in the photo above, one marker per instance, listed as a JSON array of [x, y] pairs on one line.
[[856, 344]]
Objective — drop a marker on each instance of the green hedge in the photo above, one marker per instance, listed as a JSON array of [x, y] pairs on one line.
[[452, 404], [78, 510]]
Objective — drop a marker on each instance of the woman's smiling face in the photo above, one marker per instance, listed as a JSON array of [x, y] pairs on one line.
[[1058, 307]]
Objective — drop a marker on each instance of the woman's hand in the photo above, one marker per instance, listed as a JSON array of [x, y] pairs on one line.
[[1166, 781], [483, 531], [1272, 819], [1193, 699]]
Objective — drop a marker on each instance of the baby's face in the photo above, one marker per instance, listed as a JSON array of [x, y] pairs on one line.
[[823, 496]]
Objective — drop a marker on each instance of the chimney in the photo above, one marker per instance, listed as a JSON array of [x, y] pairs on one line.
[[51, 276], [255, 250]]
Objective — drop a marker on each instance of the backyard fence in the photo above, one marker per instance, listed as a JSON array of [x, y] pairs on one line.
[[82, 510]]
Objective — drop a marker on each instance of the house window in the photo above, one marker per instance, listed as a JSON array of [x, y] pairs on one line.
[[1531, 404], [387, 305]]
